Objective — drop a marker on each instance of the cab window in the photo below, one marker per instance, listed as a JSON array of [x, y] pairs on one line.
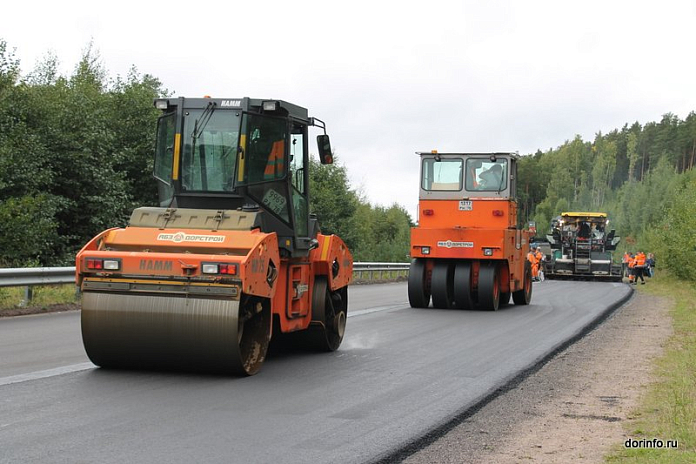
[[265, 150], [482, 174], [210, 150], [443, 175]]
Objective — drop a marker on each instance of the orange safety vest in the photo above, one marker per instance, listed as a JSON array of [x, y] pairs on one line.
[[640, 259], [532, 258], [626, 258], [275, 167], [539, 256], [631, 262]]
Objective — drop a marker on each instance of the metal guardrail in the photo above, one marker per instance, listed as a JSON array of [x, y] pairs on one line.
[[380, 270], [29, 277], [21, 277]]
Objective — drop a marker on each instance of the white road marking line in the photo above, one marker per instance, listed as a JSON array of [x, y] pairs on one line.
[[47, 373], [362, 312]]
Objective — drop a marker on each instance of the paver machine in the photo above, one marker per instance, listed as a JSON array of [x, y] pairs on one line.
[[582, 245], [229, 258], [467, 249]]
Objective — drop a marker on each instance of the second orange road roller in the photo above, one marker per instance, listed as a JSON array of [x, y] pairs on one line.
[[230, 257], [468, 250]]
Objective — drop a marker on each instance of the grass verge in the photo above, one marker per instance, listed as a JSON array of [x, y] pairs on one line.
[[668, 410], [42, 296]]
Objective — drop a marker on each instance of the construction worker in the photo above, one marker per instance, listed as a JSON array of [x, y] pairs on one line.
[[532, 258], [492, 179], [650, 265], [631, 265], [540, 263], [624, 264], [638, 268], [275, 167], [539, 255]]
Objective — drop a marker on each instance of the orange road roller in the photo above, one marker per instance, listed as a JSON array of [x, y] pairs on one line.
[[229, 258], [468, 250]]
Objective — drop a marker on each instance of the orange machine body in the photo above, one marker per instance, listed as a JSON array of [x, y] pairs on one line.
[[162, 261], [450, 233], [460, 220]]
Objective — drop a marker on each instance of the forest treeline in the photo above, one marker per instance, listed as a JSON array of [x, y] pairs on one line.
[[76, 157], [642, 176]]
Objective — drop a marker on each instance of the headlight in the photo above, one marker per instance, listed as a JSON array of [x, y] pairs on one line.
[[425, 250]]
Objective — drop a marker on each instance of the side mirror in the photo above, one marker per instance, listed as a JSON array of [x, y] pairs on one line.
[[324, 145]]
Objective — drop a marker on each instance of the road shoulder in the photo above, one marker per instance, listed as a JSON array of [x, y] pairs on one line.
[[575, 406]]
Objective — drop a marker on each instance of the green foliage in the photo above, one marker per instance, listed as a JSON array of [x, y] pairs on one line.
[[372, 233], [385, 233], [28, 230], [639, 176], [674, 238], [9, 69], [332, 201], [75, 155]]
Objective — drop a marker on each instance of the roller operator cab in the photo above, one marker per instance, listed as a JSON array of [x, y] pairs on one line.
[[467, 249], [229, 258]]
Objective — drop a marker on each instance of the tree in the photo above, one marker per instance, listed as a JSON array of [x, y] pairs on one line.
[[332, 200], [75, 152], [676, 237], [603, 169], [632, 154]]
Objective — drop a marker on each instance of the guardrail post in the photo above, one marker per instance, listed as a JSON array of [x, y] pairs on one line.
[[28, 295]]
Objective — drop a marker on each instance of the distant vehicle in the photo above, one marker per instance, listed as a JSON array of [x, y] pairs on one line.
[[582, 245], [468, 250]]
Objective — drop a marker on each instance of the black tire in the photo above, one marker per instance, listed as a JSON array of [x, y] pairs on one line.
[[418, 288], [524, 296], [505, 298], [489, 287], [463, 291], [329, 315], [442, 284]]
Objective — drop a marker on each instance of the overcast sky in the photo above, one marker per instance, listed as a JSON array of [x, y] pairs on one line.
[[392, 78]]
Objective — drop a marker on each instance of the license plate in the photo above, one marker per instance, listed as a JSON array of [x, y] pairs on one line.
[[466, 205]]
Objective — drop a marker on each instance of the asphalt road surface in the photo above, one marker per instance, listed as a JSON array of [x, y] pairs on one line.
[[400, 374]]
